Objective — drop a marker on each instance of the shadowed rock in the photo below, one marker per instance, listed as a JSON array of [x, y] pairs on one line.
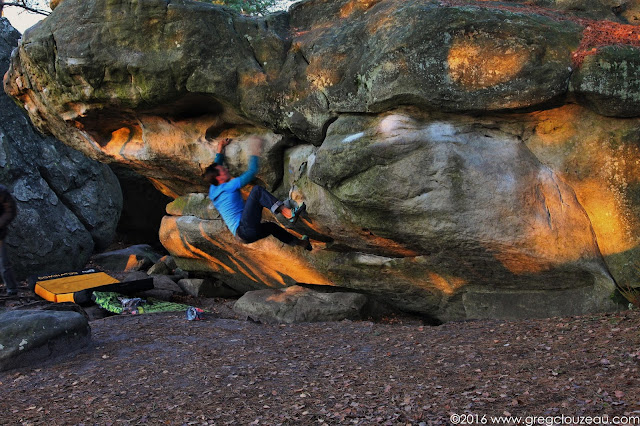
[[68, 205], [28, 338]]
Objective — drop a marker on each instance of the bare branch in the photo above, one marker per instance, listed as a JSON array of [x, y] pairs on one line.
[[25, 7]]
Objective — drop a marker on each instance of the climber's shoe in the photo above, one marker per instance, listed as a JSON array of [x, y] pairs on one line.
[[306, 243], [296, 212]]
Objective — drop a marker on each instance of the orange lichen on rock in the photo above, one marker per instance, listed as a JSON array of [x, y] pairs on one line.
[[286, 294], [252, 79], [323, 72], [596, 33], [604, 33], [448, 285], [481, 61], [556, 127], [607, 215], [356, 5]]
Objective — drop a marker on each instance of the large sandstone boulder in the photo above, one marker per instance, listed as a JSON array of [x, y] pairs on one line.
[[68, 205], [457, 160], [446, 217]]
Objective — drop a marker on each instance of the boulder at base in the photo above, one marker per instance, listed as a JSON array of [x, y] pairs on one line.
[[205, 287], [29, 337], [134, 258], [298, 304]]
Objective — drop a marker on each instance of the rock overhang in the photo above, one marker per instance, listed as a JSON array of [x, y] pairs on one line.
[[347, 94]]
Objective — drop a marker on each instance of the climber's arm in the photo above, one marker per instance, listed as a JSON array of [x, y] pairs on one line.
[[254, 164], [220, 154]]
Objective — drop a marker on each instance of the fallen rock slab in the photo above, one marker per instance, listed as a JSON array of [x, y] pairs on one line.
[[30, 337], [298, 304], [135, 258], [160, 268], [164, 288]]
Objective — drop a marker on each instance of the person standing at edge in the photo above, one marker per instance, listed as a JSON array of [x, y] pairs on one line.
[[7, 213], [244, 220]]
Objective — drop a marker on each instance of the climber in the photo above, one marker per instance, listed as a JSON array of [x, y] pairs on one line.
[[244, 220]]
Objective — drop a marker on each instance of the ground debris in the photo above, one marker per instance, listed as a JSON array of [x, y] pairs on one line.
[[163, 369]]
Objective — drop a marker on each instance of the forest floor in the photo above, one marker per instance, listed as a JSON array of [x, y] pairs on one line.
[[162, 369]]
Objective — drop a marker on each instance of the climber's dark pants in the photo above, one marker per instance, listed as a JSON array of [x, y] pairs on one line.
[[252, 228]]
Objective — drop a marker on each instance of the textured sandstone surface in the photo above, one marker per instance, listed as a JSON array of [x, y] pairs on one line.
[[458, 159]]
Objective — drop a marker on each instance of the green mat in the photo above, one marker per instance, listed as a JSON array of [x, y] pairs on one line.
[[110, 301]]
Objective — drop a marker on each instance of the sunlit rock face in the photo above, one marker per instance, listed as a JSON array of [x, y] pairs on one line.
[[459, 160], [599, 158]]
